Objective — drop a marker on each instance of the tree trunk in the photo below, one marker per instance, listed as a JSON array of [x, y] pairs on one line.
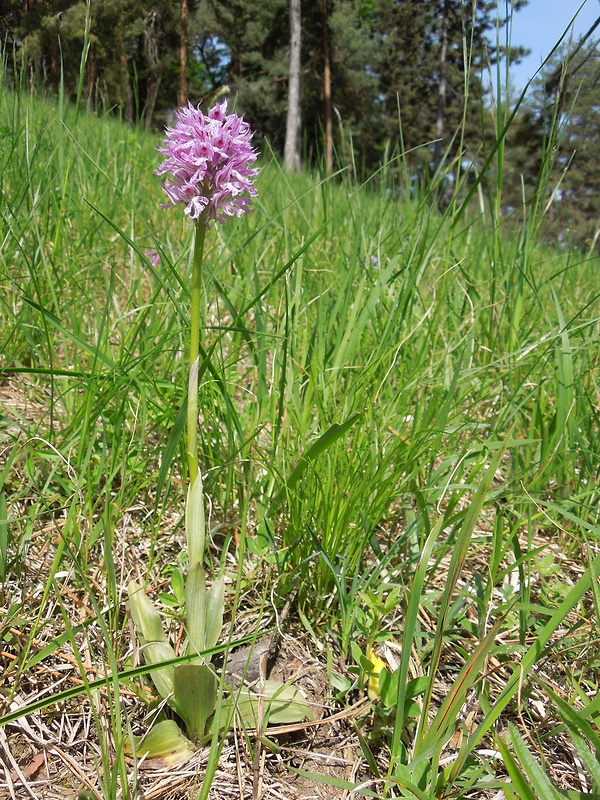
[[327, 94], [153, 80], [291, 151], [182, 96], [442, 88], [128, 94]]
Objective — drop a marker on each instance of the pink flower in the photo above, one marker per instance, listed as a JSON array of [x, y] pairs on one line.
[[153, 257], [209, 158]]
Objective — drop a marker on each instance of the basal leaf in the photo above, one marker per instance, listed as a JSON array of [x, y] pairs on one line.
[[164, 741], [195, 690]]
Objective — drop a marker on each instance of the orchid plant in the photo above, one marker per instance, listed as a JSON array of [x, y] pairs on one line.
[[209, 159]]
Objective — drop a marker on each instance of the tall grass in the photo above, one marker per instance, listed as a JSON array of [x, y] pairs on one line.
[[388, 395]]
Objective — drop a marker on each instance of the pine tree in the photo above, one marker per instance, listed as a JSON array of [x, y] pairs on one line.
[[574, 103], [243, 44], [435, 54], [340, 82], [557, 134]]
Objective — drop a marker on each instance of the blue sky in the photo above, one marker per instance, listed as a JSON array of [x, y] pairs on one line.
[[540, 25]]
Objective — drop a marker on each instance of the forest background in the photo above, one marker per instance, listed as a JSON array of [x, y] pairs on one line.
[[399, 404], [411, 84]]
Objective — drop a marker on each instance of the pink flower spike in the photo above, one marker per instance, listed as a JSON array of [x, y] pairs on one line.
[[209, 160], [153, 257]]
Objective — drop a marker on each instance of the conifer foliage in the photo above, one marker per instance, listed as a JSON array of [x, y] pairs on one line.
[[374, 78], [561, 117], [359, 61]]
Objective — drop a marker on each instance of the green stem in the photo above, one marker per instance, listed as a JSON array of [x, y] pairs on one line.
[[192, 409]]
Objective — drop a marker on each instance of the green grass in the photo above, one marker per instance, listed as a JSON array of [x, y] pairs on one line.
[[454, 512]]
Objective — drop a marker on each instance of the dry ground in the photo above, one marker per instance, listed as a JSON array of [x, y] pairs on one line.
[[56, 752]]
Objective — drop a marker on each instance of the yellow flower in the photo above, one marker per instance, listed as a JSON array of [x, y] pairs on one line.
[[378, 666]]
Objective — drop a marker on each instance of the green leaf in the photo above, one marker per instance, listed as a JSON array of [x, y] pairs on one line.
[[536, 775], [168, 600], [178, 585], [145, 616], [195, 605], [535, 651], [578, 726], [3, 537], [460, 550], [404, 781], [195, 690], [194, 522], [410, 628], [154, 645], [466, 679], [417, 686], [328, 780], [575, 719], [588, 758], [169, 451], [215, 606], [157, 653], [331, 435], [283, 704], [165, 741], [519, 782], [81, 343], [388, 689], [126, 675]]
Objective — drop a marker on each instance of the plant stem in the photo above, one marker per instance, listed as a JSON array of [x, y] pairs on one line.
[[192, 409]]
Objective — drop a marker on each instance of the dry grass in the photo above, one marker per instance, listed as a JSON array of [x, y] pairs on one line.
[[56, 752]]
